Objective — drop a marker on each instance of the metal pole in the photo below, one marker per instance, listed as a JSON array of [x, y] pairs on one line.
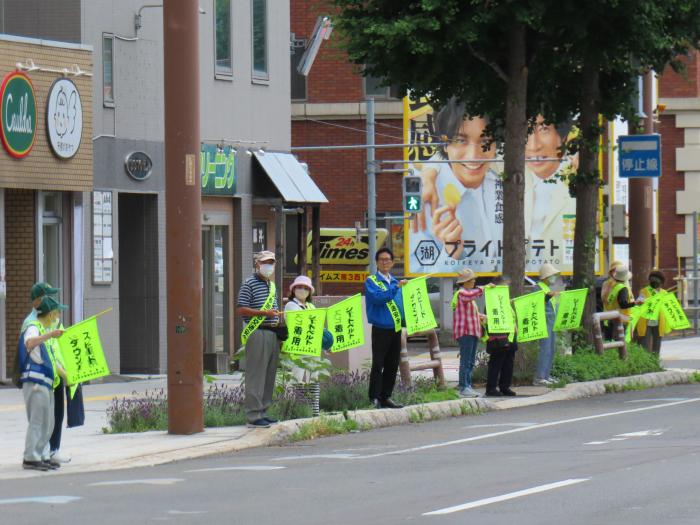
[[183, 205], [695, 272], [371, 189]]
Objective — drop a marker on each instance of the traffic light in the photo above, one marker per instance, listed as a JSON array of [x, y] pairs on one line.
[[412, 188]]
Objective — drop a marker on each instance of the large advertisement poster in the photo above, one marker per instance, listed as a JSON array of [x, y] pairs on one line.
[[461, 221]]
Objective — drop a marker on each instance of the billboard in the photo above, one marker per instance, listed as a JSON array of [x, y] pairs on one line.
[[461, 220]]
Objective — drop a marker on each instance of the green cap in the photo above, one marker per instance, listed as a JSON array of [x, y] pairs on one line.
[[42, 289], [49, 304]]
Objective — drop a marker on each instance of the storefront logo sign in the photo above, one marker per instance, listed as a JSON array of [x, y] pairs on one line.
[[64, 118], [138, 165], [217, 169], [342, 246], [17, 114]]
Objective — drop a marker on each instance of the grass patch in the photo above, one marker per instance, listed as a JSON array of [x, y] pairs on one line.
[[324, 427], [586, 365], [694, 377], [613, 388]]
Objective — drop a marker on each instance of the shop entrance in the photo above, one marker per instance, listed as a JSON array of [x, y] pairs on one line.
[[215, 296], [138, 283]]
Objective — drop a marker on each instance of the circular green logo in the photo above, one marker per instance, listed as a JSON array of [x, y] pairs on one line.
[[17, 114]]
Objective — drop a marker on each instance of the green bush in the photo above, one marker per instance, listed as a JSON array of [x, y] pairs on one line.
[[586, 365]]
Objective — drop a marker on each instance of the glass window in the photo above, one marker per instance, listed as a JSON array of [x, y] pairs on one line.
[[374, 88], [223, 37], [260, 39], [51, 248], [298, 80], [108, 70]]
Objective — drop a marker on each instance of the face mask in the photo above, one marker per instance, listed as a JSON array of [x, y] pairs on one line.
[[266, 270], [553, 279], [301, 293], [655, 283]]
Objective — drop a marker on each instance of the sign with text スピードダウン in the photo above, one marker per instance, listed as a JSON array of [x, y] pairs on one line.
[[17, 114]]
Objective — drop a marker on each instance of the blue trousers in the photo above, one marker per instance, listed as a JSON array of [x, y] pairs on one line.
[[547, 347], [467, 357]]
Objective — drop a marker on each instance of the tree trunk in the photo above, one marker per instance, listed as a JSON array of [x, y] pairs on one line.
[[586, 185], [514, 162]]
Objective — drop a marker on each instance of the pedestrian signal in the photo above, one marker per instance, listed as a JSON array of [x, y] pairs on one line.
[[412, 187]]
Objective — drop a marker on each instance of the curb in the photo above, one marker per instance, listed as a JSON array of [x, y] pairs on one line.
[[370, 419]]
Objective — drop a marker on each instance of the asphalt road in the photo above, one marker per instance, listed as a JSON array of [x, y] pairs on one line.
[[627, 458]]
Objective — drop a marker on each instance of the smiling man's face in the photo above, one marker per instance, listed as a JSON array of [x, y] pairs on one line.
[[468, 145]]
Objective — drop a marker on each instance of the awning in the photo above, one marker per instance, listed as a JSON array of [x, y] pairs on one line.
[[290, 178]]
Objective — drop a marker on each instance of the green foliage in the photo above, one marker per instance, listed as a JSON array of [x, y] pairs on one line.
[[586, 365], [613, 388], [324, 427]]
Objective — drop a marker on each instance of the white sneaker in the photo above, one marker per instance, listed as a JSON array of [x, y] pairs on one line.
[[541, 382], [58, 457], [468, 392], [552, 380]]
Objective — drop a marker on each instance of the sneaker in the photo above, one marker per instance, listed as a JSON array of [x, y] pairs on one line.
[[59, 457], [259, 423], [553, 380], [34, 465], [541, 382], [271, 420], [468, 392], [51, 465]]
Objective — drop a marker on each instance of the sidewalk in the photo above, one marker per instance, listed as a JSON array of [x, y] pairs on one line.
[[92, 450]]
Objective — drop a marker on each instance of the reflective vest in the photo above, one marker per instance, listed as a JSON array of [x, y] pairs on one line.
[[642, 324], [44, 373], [612, 302]]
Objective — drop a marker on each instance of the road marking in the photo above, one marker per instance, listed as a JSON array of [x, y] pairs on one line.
[[524, 429], [657, 399], [319, 456], [249, 468], [153, 481], [496, 425], [628, 435], [187, 512], [48, 500], [506, 497]]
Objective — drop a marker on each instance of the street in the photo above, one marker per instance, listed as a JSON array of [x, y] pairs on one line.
[[628, 458]]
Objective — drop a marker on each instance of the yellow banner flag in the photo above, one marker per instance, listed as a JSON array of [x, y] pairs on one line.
[[570, 310], [305, 331], [345, 323], [677, 320], [416, 306], [532, 319], [498, 311], [81, 352], [635, 315]]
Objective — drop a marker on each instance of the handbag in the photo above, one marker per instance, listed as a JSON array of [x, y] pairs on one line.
[[497, 343]]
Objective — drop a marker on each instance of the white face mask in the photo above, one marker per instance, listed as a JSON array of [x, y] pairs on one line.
[[301, 293], [266, 270]]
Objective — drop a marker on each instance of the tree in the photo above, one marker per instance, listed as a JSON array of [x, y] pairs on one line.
[[479, 52]]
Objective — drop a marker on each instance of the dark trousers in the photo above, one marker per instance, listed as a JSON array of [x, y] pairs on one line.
[[386, 352], [501, 368], [76, 413], [652, 340]]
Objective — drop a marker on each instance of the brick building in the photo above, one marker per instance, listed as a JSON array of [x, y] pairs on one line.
[[328, 109]]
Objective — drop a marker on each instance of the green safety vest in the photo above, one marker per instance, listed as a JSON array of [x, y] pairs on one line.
[[256, 321], [391, 305], [50, 350], [453, 303], [554, 299]]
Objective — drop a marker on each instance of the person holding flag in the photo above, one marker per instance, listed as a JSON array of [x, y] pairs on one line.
[[549, 276], [385, 313], [652, 330], [41, 374], [257, 305], [467, 328]]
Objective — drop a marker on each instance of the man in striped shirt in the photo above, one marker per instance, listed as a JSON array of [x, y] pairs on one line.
[[467, 329], [262, 346]]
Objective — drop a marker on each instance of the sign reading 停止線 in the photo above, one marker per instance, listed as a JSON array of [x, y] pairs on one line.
[[17, 114]]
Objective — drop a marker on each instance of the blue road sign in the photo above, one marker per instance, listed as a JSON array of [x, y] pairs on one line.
[[639, 155]]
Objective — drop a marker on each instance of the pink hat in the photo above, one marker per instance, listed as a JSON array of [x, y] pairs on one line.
[[301, 280]]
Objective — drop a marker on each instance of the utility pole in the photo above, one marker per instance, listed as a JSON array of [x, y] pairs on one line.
[[371, 189], [183, 205], [641, 200]]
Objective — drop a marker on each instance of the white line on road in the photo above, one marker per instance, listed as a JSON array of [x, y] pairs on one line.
[[153, 481], [656, 400], [524, 429], [496, 425], [48, 500], [506, 497], [248, 468], [628, 435], [318, 456]]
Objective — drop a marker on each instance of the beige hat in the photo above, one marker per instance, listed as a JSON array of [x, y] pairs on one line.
[[465, 275], [547, 270], [264, 255], [621, 273]]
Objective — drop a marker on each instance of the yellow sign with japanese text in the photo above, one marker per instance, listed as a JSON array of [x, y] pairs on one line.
[[570, 310], [416, 306], [81, 352], [305, 331], [532, 320], [677, 320], [345, 323], [498, 311]]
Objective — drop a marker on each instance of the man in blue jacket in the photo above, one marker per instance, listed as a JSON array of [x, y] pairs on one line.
[[385, 314]]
